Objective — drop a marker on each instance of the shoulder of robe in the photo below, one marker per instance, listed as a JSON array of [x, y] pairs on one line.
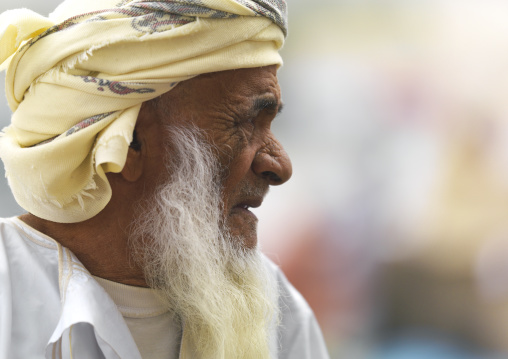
[[299, 335]]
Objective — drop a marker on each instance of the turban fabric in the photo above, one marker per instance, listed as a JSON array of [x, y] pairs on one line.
[[76, 80]]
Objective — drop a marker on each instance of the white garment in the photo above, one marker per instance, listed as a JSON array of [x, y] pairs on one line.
[[51, 307], [155, 333]]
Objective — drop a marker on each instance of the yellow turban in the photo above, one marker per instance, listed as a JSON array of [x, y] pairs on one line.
[[75, 82]]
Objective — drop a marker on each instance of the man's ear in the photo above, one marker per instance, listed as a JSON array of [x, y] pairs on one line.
[[133, 168]]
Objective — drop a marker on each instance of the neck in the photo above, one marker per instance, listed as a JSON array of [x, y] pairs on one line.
[[100, 243]]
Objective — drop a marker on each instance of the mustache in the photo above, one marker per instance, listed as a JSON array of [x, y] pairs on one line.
[[254, 190]]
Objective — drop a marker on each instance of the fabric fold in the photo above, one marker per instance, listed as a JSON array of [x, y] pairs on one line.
[[81, 331], [17, 26]]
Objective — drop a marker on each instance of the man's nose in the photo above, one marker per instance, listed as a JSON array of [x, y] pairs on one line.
[[272, 163]]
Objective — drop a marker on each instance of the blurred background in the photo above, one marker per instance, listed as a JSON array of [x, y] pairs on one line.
[[395, 224]]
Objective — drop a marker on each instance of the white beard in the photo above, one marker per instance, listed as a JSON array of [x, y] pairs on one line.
[[219, 289]]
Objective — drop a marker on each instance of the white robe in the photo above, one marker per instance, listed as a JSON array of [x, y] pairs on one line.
[[51, 307]]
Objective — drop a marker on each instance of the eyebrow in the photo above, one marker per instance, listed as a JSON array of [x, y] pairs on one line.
[[267, 103]]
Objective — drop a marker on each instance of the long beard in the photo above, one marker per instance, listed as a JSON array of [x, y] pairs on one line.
[[219, 289]]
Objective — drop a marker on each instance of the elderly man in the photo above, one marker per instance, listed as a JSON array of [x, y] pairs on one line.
[[140, 138]]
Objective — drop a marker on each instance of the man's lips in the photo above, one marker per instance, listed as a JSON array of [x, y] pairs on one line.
[[245, 204]]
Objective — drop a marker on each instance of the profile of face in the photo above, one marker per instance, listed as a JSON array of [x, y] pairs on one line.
[[210, 157], [234, 111]]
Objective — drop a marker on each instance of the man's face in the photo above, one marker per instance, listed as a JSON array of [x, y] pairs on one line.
[[207, 155], [235, 110]]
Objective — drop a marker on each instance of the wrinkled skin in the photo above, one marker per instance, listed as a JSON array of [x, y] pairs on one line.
[[235, 110]]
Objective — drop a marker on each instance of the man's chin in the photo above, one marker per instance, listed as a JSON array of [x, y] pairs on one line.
[[243, 231], [243, 239], [250, 242]]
